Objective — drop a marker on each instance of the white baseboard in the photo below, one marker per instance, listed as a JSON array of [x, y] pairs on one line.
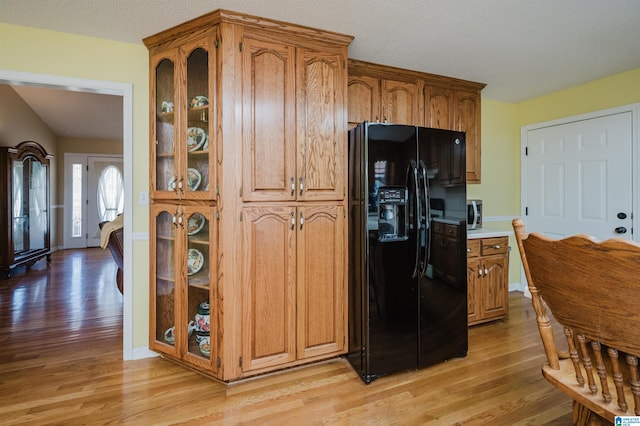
[[142, 353]]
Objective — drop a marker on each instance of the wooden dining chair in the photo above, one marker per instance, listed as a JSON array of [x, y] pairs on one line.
[[592, 289]]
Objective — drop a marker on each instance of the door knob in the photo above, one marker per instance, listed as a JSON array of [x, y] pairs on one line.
[[621, 230]]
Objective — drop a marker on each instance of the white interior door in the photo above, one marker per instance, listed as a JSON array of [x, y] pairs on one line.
[[579, 177]]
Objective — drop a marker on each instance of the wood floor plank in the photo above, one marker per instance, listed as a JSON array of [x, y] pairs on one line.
[[61, 363]]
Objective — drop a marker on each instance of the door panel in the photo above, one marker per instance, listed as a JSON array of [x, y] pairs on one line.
[[269, 278], [269, 116], [321, 296], [321, 125], [579, 177]]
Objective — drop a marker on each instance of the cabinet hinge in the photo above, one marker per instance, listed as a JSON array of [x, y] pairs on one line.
[[218, 45], [241, 191], [217, 215], [240, 216], [424, 91], [240, 361], [240, 46], [218, 362], [217, 190]]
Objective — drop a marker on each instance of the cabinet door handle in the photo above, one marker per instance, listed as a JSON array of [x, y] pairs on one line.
[[486, 271], [301, 221], [480, 271], [293, 221], [497, 246], [301, 186], [293, 186]]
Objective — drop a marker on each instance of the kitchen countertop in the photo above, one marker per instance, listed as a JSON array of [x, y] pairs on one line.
[[486, 232]]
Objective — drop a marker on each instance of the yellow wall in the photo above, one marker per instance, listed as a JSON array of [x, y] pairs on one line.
[[60, 54]]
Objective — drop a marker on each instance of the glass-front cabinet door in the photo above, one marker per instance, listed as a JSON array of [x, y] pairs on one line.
[[165, 184], [198, 126], [165, 275], [184, 318], [201, 275], [184, 122]]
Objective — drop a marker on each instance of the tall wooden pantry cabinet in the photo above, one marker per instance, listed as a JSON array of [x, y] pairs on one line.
[[248, 208]]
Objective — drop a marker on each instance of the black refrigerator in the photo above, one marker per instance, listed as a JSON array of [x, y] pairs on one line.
[[407, 248]]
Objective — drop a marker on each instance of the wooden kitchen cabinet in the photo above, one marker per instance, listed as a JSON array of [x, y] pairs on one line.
[[293, 293], [394, 95], [487, 279], [276, 124], [382, 99]]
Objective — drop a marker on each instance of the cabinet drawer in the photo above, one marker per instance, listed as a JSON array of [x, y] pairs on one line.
[[497, 245], [473, 248], [445, 229]]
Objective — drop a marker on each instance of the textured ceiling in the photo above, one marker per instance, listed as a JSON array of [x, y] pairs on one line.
[[519, 48]]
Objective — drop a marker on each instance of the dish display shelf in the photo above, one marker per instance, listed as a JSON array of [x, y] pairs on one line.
[[185, 275], [183, 163]]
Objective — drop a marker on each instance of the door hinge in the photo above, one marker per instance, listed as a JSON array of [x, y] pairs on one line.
[[526, 211], [526, 150], [218, 362], [240, 361], [240, 46]]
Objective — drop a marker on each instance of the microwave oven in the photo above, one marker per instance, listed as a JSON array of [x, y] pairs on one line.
[[474, 214]]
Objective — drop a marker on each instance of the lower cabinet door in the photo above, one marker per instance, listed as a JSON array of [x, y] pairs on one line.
[[268, 287], [293, 291], [321, 286]]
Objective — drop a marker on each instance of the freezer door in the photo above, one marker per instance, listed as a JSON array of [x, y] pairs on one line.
[[391, 295]]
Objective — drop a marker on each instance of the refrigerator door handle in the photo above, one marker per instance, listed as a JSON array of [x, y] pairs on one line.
[[425, 228], [416, 217]]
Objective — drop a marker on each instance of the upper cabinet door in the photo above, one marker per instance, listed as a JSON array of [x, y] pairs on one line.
[[321, 125], [439, 107], [198, 123], [184, 153], [364, 99], [467, 119], [268, 75], [400, 103], [164, 119]]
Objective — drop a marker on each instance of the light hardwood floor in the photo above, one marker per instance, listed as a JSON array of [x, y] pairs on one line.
[[61, 363]]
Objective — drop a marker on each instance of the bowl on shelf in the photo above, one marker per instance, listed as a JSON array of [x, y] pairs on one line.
[[170, 335], [205, 347], [199, 101]]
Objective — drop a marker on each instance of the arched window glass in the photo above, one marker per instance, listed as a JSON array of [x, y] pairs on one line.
[[110, 194]]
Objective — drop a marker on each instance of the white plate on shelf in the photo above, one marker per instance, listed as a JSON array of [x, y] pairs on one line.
[[195, 260], [171, 186], [196, 137], [193, 179], [195, 223]]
